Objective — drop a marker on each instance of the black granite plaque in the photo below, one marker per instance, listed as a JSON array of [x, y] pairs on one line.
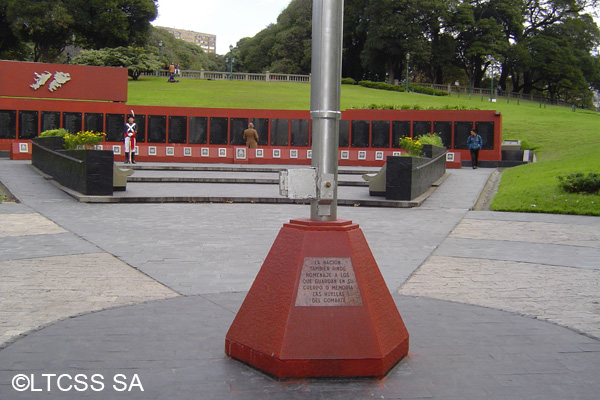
[[300, 132], [444, 130], [50, 120], [380, 134], [344, 133], [93, 122], [237, 126], [218, 130], [262, 128], [462, 130], [8, 124], [177, 129], [421, 128], [157, 129], [72, 121], [400, 129], [486, 131], [28, 124], [140, 121], [360, 133], [198, 130], [115, 127], [279, 132]]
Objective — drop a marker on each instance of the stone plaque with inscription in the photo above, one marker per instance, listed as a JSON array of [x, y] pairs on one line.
[[328, 282]]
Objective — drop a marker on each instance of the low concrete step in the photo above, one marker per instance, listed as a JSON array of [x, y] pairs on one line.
[[239, 168], [259, 181]]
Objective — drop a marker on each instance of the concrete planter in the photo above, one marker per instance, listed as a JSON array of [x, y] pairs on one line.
[[409, 177], [88, 172]]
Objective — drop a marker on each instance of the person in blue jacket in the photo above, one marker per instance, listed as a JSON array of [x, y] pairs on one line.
[[474, 143]]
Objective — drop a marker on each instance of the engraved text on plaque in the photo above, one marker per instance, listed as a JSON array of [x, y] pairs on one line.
[[328, 282]]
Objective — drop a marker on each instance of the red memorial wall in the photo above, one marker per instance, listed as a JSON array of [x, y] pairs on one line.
[[59, 81]]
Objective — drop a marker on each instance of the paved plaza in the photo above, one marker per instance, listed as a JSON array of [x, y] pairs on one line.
[[137, 298]]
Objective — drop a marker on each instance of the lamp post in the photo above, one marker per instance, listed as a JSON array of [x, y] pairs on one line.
[[72, 53], [231, 59], [491, 79], [160, 46], [407, 68], [492, 82]]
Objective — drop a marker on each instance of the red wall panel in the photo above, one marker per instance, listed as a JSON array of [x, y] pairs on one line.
[[25, 79]]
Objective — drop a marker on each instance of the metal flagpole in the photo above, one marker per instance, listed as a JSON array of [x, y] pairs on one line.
[[325, 112], [281, 344]]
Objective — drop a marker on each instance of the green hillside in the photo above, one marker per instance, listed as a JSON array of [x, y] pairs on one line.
[[565, 141]]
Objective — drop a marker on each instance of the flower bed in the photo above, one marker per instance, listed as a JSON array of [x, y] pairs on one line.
[[409, 177], [89, 172]]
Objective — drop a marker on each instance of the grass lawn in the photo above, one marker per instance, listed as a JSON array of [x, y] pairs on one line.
[[565, 141]]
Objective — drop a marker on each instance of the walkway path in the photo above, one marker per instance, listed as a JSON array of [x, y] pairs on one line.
[[154, 288]]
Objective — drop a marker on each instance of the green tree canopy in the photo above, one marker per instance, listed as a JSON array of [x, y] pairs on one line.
[[49, 26], [283, 47], [136, 60], [188, 55], [112, 23], [46, 24]]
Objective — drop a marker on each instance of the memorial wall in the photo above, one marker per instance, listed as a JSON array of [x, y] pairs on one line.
[[36, 99]]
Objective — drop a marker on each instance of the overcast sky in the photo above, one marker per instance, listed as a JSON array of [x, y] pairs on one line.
[[230, 20]]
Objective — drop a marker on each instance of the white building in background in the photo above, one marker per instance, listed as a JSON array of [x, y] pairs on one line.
[[206, 41]]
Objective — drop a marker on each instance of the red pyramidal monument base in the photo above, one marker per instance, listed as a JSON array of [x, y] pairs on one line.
[[319, 307]]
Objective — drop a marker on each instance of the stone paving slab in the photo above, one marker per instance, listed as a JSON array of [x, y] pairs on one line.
[[14, 208], [36, 246], [175, 347], [541, 253], [38, 291], [538, 265], [27, 224], [565, 296], [529, 232]]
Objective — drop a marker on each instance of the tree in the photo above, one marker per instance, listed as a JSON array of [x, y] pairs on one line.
[[395, 28], [479, 39], [538, 17], [112, 23], [136, 60], [47, 24], [9, 42], [51, 25], [188, 55], [282, 47], [561, 59], [253, 51], [355, 36], [436, 58]]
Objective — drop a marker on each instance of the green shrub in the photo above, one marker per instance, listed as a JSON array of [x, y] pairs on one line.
[[525, 145], [412, 147], [348, 81], [455, 107], [55, 132], [374, 106], [86, 139], [580, 183], [413, 87], [381, 86], [433, 139]]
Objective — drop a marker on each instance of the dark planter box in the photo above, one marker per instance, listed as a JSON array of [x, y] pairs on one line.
[[88, 172], [409, 177]]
